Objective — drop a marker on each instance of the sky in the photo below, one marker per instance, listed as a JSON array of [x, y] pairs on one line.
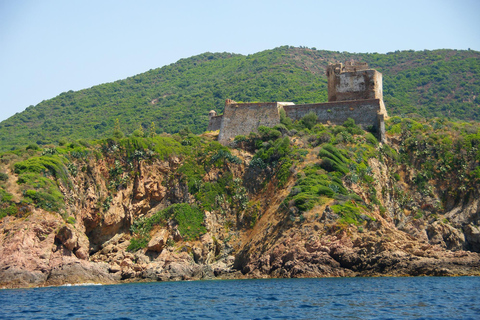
[[51, 46]]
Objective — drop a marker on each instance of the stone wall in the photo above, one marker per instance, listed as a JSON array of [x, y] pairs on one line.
[[243, 118], [214, 123], [364, 112], [354, 66]]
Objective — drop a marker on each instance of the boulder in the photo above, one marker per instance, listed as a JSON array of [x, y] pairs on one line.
[[472, 234], [74, 241], [445, 235], [158, 242]]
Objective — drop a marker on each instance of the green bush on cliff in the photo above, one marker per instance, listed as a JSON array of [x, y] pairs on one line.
[[3, 176], [9, 210], [283, 172], [350, 213], [5, 197], [36, 186], [223, 157], [43, 165], [7, 206], [347, 161], [309, 120], [272, 153], [138, 243], [136, 148], [315, 184], [50, 199], [332, 159], [446, 151], [188, 217], [267, 133], [208, 192], [352, 128]]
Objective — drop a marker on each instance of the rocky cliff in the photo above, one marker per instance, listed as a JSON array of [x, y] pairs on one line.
[[321, 202]]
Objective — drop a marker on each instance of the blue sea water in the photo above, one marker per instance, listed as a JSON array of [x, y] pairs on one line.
[[337, 298]]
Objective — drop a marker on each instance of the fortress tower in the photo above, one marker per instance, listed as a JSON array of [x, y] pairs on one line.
[[354, 91], [354, 81]]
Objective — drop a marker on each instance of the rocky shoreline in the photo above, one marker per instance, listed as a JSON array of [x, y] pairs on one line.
[[36, 258], [265, 236]]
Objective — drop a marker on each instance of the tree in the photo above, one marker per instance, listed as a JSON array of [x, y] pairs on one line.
[[139, 132]]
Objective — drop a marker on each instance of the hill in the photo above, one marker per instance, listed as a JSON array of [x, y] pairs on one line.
[[296, 200], [440, 83]]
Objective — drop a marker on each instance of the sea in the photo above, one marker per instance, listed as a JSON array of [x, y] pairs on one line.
[[324, 298]]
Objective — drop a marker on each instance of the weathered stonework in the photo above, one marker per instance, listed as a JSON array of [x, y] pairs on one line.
[[214, 121], [243, 118], [347, 83], [354, 91], [364, 112]]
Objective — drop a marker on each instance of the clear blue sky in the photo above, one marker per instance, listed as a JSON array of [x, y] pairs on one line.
[[48, 47]]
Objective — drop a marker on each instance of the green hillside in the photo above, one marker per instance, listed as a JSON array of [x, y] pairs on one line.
[[441, 83]]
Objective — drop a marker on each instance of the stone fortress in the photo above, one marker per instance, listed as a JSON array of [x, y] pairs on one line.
[[354, 91]]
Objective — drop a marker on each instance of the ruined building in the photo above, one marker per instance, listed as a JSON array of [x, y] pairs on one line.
[[354, 91]]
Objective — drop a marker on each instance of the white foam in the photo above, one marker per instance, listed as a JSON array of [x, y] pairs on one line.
[[80, 284]]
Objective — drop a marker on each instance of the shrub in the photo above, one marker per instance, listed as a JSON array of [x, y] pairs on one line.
[[5, 197], [240, 138], [52, 200], [325, 137], [325, 191], [71, 220], [274, 152], [32, 146], [43, 164], [284, 119], [309, 120], [331, 165], [267, 133], [318, 128], [352, 128], [3, 176], [305, 202], [283, 172], [223, 156], [281, 127], [189, 219], [137, 244], [371, 139]]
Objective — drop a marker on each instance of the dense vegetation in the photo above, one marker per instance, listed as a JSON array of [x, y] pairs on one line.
[[431, 167], [440, 83]]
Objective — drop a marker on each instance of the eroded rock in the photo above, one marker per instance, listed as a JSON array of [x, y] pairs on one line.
[[158, 241]]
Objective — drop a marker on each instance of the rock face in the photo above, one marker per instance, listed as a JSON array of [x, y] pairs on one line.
[[42, 249], [360, 255], [32, 253]]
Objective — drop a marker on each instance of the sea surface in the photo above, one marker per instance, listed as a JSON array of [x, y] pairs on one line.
[[337, 298]]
